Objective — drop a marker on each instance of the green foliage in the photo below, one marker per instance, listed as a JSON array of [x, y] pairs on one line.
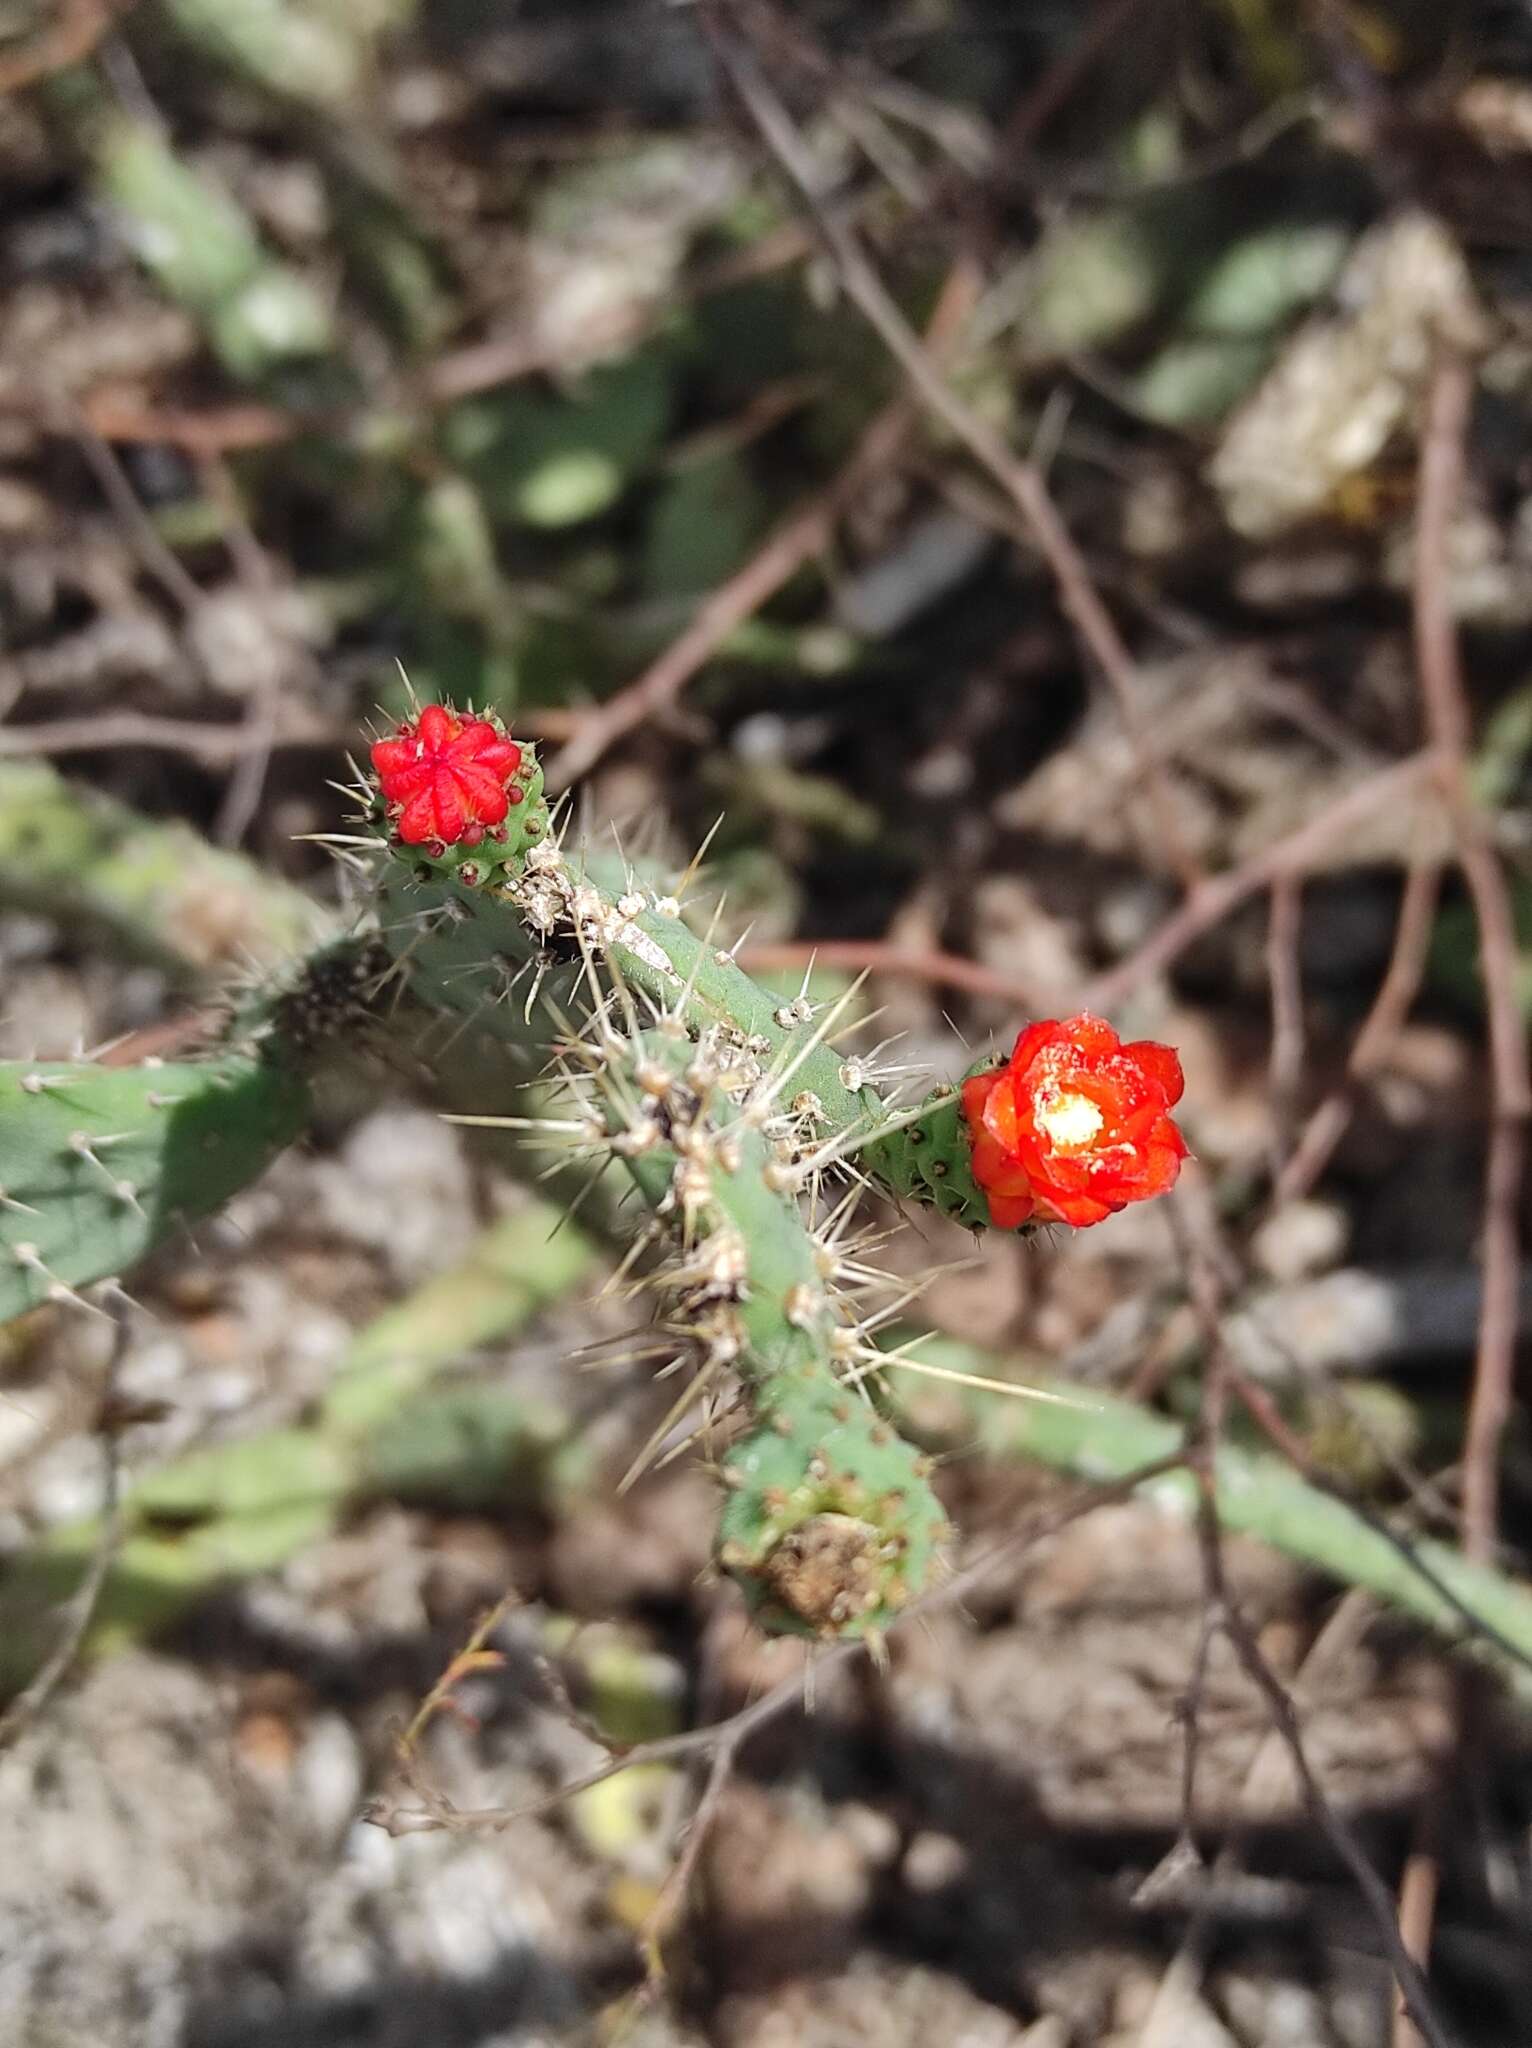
[[187, 230], [558, 461]]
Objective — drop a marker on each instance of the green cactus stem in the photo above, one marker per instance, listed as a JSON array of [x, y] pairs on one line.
[[157, 890], [101, 1164], [829, 1525], [191, 234]]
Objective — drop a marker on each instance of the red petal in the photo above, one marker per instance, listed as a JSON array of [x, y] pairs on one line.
[[447, 803], [1079, 1211], [392, 757], [407, 782], [418, 822], [437, 728], [482, 795], [1091, 1035], [1002, 1114], [502, 758], [995, 1173], [1160, 1066], [1009, 1212], [477, 738], [1030, 1042]]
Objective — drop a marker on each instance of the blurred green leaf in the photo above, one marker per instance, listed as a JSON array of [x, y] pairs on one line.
[[700, 527], [554, 462]]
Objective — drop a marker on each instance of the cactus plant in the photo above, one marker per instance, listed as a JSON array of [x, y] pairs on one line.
[[730, 1110]]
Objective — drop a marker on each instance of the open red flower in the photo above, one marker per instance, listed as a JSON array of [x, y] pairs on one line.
[[1075, 1125], [446, 777]]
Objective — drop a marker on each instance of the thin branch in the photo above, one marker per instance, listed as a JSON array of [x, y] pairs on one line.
[[30, 1704], [802, 535], [1284, 934], [438, 1814], [1212, 901], [82, 26], [1206, 1291], [1375, 1041], [214, 746], [1021, 480], [1445, 698], [883, 956], [461, 373], [1414, 1994]]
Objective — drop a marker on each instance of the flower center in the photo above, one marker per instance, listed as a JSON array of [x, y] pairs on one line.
[[1067, 1121]]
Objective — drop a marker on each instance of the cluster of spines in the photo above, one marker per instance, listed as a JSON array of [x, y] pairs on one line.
[[829, 1522], [728, 1104]]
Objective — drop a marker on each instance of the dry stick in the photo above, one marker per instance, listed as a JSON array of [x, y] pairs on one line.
[[1284, 935], [28, 1706], [736, 1728], [1198, 1246], [82, 25], [214, 746], [882, 956], [1205, 1290], [1413, 1992], [804, 534], [179, 585], [1210, 902], [1442, 462], [1381, 1026], [247, 783], [1020, 480], [481, 366], [1033, 113], [1418, 1889], [1165, 2026]]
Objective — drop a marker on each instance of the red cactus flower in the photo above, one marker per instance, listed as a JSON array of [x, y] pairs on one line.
[[447, 776], [1075, 1125]]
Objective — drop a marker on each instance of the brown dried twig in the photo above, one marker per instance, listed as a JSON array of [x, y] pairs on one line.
[[1284, 973], [1445, 700], [82, 25], [883, 956], [1020, 480], [1206, 1291], [1384, 1021], [436, 1813], [1210, 902], [805, 533], [80, 1612]]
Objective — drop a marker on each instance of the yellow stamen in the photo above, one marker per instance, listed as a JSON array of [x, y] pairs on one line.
[[1068, 1122]]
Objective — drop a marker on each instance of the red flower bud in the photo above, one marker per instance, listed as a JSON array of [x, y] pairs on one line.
[[1075, 1125], [444, 777]]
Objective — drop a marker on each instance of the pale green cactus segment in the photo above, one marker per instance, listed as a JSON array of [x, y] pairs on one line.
[[385, 1427], [98, 1165], [830, 1525], [469, 949], [155, 888]]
